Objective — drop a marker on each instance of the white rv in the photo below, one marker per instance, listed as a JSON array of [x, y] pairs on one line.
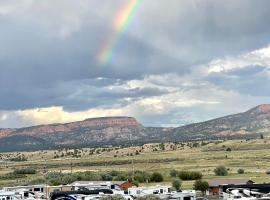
[[142, 191], [17, 195]]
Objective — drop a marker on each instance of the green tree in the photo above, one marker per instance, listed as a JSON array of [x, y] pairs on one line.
[[201, 186], [221, 171], [177, 183]]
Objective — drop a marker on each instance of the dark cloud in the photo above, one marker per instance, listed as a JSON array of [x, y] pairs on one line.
[[49, 56], [251, 80]]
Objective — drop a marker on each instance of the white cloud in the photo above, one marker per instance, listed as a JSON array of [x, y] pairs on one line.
[[256, 57], [13, 7]]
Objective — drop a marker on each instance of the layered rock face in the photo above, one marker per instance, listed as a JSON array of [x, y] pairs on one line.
[[122, 130], [94, 131], [254, 121], [94, 123]]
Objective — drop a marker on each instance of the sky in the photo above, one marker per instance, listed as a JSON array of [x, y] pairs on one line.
[[167, 63]]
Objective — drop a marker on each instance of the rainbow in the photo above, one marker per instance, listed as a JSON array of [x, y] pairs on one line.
[[120, 25]]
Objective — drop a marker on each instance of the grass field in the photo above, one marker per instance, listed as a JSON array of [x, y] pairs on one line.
[[253, 156]]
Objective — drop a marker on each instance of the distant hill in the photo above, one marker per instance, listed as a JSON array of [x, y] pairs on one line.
[[124, 130], [254, 121]]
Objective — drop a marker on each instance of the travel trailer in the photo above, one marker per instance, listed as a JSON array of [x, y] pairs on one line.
[[141, 191], [17, 195]]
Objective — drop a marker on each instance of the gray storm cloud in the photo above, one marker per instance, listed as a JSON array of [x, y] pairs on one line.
[[48, 53]]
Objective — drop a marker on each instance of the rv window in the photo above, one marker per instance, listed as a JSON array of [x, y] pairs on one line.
[[161, 191], [155, 192], [112, 187], [36, 189], [26, 194], [41, 190], [8, 198], [187, 198]]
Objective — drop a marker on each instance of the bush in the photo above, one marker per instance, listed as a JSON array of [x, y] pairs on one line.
[[201, 185], [12, 176], [114, 173], [37, 181], [107, 177], [173, 173], [123, 177], [142, 177], [149, 197], [25, 171], [136, 183], [189, 175], [240, 171], [113, 197], [67, 179], [221, 171], [177, 183], [21, 158], [156, 177], [228, 149]]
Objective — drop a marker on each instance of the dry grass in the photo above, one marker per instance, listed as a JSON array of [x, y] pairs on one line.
[[253, 156]]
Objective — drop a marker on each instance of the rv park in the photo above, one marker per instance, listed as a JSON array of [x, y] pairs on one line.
[[63, 169]]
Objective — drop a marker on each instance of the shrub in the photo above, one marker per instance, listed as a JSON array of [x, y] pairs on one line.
[[240, 171], [136, 183], [142, 177], [37, 181], [173, 173], [113, 197], [25, 171], [221, 171], [189, 175], [19, 158], [67, 179], [12, 176], [114, 173], [177, 183], [228, 149], [149, 197], [156, 177], [107, 177], [122, 177]]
